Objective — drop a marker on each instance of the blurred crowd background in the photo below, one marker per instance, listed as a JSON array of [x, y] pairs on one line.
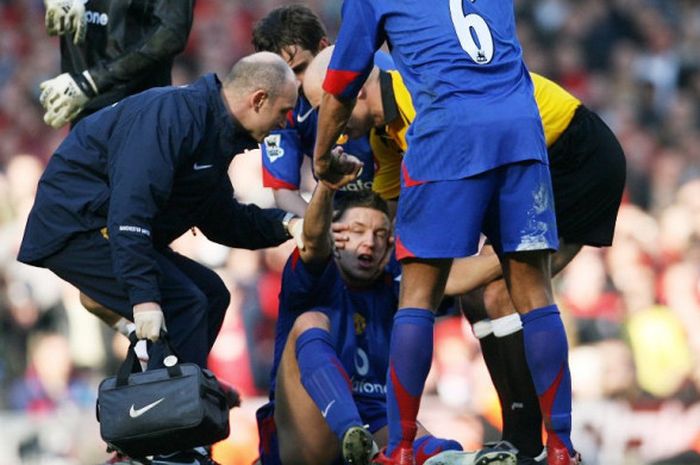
[[632, 311]]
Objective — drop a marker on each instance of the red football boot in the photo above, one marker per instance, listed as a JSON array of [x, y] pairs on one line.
[[401, 456], [560, 456]]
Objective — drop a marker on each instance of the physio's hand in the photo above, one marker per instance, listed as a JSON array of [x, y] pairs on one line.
[[64, 96], [66, 17], [149, 320], [338, 168]]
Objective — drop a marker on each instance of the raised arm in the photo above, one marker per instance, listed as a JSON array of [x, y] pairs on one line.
[[316, 233]]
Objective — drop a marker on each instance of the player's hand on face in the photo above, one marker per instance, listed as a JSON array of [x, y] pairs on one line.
[[66, 17], [339, 233], [338, 169], [149, 320]]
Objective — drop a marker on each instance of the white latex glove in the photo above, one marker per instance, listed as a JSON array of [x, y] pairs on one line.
[[64, 96], [66, 17], [149, 320], [296, 229]]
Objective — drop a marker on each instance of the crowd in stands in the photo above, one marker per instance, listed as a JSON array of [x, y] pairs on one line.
[[632, 311]]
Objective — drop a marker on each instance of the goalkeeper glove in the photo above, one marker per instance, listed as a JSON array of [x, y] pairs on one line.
[[66, 17], [64, 96]]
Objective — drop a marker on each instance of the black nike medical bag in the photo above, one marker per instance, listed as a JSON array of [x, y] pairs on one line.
[[162, 410]]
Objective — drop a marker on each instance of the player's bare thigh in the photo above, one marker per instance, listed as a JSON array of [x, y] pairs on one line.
[[304, 435]]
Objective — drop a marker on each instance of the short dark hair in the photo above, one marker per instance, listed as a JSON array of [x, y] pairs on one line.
[[287, 26], [359, 199]]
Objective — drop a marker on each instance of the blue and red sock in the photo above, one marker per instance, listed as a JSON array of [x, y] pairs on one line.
[[547, 354], [428, 446], [411, 355], [326, 381]]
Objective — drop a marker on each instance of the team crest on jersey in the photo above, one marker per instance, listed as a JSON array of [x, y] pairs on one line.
[[272, 147], [360, 323], [342, 139]]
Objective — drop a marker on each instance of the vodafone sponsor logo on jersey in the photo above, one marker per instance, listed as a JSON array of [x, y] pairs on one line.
[[362, 386]]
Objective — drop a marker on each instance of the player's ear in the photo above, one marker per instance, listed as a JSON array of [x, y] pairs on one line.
[[323, 43], [257, 99]]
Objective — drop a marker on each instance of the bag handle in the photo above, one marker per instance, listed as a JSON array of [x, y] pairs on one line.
[[132, 365]]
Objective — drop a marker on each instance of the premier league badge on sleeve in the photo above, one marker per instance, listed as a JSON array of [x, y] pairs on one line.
[[273, 148]]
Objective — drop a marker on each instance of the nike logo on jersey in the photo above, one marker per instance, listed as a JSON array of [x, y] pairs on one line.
[[328, 407], [302, 118], [198, 167], [135, 413]]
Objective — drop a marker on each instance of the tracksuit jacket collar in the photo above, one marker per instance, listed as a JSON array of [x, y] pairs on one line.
[[233, 138]]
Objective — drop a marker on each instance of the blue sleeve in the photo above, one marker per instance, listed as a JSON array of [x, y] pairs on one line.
[[145, 150], [282, 158], [302, 287], [359, 37], [233, 224]]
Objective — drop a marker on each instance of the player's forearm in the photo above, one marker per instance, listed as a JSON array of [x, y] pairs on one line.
[[333, 117], [317, 223], [470, 273]]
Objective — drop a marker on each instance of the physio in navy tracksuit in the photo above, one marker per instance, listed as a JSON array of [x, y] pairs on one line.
[[149, 168]]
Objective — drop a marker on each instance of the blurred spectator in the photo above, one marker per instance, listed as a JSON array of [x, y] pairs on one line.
[[50, 382]]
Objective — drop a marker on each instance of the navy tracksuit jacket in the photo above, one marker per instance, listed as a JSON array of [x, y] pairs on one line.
[[148, 168]]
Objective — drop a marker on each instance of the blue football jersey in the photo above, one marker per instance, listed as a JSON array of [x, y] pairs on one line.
[[361, 320], [462, 64], [283, 150]]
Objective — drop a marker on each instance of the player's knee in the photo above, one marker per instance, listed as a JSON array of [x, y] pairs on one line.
[[309, 320], [195, 304], [497, 300]]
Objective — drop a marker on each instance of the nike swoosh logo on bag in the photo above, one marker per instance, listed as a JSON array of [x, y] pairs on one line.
[[302, 118], [198, 167], [135, 413]]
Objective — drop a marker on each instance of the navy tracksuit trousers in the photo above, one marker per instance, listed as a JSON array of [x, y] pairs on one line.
[[194, 299]]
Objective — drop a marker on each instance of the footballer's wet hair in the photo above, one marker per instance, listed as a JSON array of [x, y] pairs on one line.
[[287, 26], [360, 199]]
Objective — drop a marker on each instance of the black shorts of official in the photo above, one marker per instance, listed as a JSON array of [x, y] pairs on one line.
[[588, 168]]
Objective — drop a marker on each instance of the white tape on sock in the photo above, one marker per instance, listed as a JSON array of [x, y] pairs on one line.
[[506, 325], [482, 328]]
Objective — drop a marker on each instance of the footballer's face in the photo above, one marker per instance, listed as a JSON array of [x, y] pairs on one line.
[[298, 58], [361, 120], [363, 257], [271, 112]]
